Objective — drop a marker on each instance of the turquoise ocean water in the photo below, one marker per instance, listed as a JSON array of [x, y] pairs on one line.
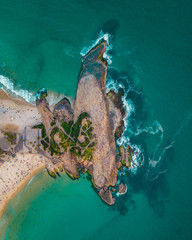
[[150, 56]]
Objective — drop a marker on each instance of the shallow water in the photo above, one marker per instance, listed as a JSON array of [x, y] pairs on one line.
[[151, 54]]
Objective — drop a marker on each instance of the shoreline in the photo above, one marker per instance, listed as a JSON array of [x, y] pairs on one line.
[[9, 189]]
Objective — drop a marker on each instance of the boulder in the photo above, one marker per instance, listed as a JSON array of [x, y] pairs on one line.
[[106, 196], [122, 188]]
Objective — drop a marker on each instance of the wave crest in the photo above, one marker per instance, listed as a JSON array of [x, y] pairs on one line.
[[102, 36], [9, 87]]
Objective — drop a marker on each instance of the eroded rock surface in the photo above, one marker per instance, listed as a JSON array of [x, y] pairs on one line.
[[46, 114], [91, 97], [69, 165], [63, 110], [106, 196], [122, 188], [83, 138]]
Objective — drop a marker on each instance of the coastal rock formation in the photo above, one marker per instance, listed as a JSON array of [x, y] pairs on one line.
[[63, 110], [106, 196], [117, 112], [91, 97], [78, 139], [126, 156], [83, 138], [46, 114], [122, 188], [69, 165]]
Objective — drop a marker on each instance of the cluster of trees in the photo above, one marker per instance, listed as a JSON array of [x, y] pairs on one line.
[[65, 135]]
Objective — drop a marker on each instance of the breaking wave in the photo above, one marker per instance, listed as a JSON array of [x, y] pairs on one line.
[[133, 129], [102, 36], [8, 86]]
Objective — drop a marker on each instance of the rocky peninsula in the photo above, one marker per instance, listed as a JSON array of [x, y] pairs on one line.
[[78, 139]]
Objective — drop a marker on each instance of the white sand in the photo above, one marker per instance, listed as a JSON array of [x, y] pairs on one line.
[[16, 114]]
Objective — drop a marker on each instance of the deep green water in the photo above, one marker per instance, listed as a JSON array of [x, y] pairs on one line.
[[40, 45]]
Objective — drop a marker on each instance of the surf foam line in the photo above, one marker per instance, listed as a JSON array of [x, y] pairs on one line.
[[119, 194], [153, 162], [132, 128], [130, 110], [138, 157], [30, 97], [30, 181], [102, 36], [9, 87]]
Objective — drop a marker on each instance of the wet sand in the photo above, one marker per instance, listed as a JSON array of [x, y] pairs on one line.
[[15, 173]]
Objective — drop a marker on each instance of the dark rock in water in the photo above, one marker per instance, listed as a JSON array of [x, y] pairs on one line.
[[126, 156], [41, 92], [51, 173], [113, 189], [106, 196], [122, 188], [63, 110], [57, 172]]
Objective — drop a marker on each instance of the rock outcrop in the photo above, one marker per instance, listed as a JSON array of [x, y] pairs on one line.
[[126, 156], [106, 196], [91, 97], [69, 165], [83, 138], [122, 188], [63, 110], [117, 112], [46, 114]]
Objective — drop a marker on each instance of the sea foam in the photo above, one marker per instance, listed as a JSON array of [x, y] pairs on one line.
[[102, 36], [9, 87]]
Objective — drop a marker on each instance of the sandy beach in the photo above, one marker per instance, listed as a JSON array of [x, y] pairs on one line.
[[16, 169], [16, 114], [15, 173]]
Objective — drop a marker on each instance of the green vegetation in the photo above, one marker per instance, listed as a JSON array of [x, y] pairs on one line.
[[88, 154], [51, 173], [126, 156], [53, 123], [43, 130], [76, 137], [45, 145], [11, 137], [66, 127], [77, 125], [54, 148]]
